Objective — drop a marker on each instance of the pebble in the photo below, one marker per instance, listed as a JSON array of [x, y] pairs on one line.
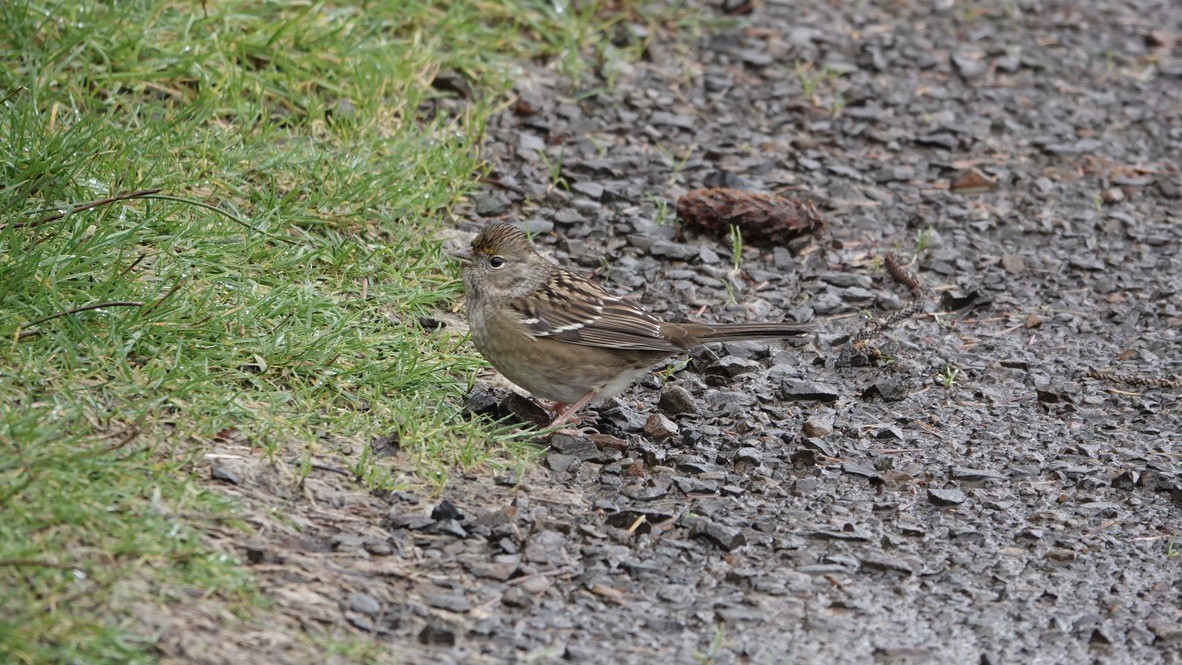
[[437, 634], [818, 426], [749, 455], [363, 603], [793, 389], [725, 537], [731, 366], [672, 250], [658, 427], [946, 497]]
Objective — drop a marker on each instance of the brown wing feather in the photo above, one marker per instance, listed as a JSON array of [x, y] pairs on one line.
[[577, 311]]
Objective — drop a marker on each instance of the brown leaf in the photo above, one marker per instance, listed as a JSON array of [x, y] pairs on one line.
[[972, 182], [763, 220]]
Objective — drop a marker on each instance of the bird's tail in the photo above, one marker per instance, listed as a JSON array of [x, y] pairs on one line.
[[733, 332]]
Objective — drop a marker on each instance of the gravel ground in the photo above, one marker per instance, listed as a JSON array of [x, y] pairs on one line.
[[986, 492]]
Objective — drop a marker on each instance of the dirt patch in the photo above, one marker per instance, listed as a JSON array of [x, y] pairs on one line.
[[978, 495]]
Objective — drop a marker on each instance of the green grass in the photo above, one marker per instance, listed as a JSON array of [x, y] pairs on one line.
[[272, 289]]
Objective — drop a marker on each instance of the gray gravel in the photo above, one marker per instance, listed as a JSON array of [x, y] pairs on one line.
[[974, 497]]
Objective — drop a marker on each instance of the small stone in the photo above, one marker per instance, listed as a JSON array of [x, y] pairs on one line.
[[731, 366], [359, 621], [377, 547], [1168, 632], [756, 57], [804, 486], [1013, 264], [527, 142], [219, 470], [343, 542], [967, 474], [446, 510], [679, 120], [969, 68], [481, 403], [363, 603], [450, 527], [748, 455], [820, 446], [568, 216], [492, 571], [939, 140], [658, 427], [524, 410], [890, 389], [561, 463], [1008, 64], [946, 497], [518, 598], [1113, 195], [856, 294], [951, 301], [846, 280], [591, 190], [536, 584], [546, 547], [672, 250], [1085, 263], [675, 593], [536, 226], [822, 569], [446, 601], [794, 389], [695, 485], [817, 426], [848, 533], [677, 401], [1053, 394], [492, 204], [1103, 508], [396, 520], [386, 446], [624, 417], [1125, 481], [885, 562], [437, 634], [1060, 554], [862, 470], [725, 537], [580, 447], [342, 109], [452, 82]]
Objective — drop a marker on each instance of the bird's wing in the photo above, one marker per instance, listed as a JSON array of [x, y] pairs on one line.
[[572, 309]]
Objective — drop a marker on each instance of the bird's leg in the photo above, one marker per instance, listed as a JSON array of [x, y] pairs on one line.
[[569, 411], [552, 408]]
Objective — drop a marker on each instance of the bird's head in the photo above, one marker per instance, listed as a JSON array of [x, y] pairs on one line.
[[501, 262]]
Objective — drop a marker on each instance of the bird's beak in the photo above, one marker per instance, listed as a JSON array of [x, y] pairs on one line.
[[463, 255]]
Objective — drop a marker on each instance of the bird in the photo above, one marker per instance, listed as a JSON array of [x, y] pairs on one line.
[[564, 338]]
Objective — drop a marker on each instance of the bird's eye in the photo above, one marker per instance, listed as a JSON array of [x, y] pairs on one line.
[[496, 262]]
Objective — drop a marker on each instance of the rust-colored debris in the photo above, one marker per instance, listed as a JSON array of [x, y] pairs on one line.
[[764, 220], [972, 182]]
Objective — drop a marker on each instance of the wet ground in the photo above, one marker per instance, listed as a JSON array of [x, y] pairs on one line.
[[994, 489]]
